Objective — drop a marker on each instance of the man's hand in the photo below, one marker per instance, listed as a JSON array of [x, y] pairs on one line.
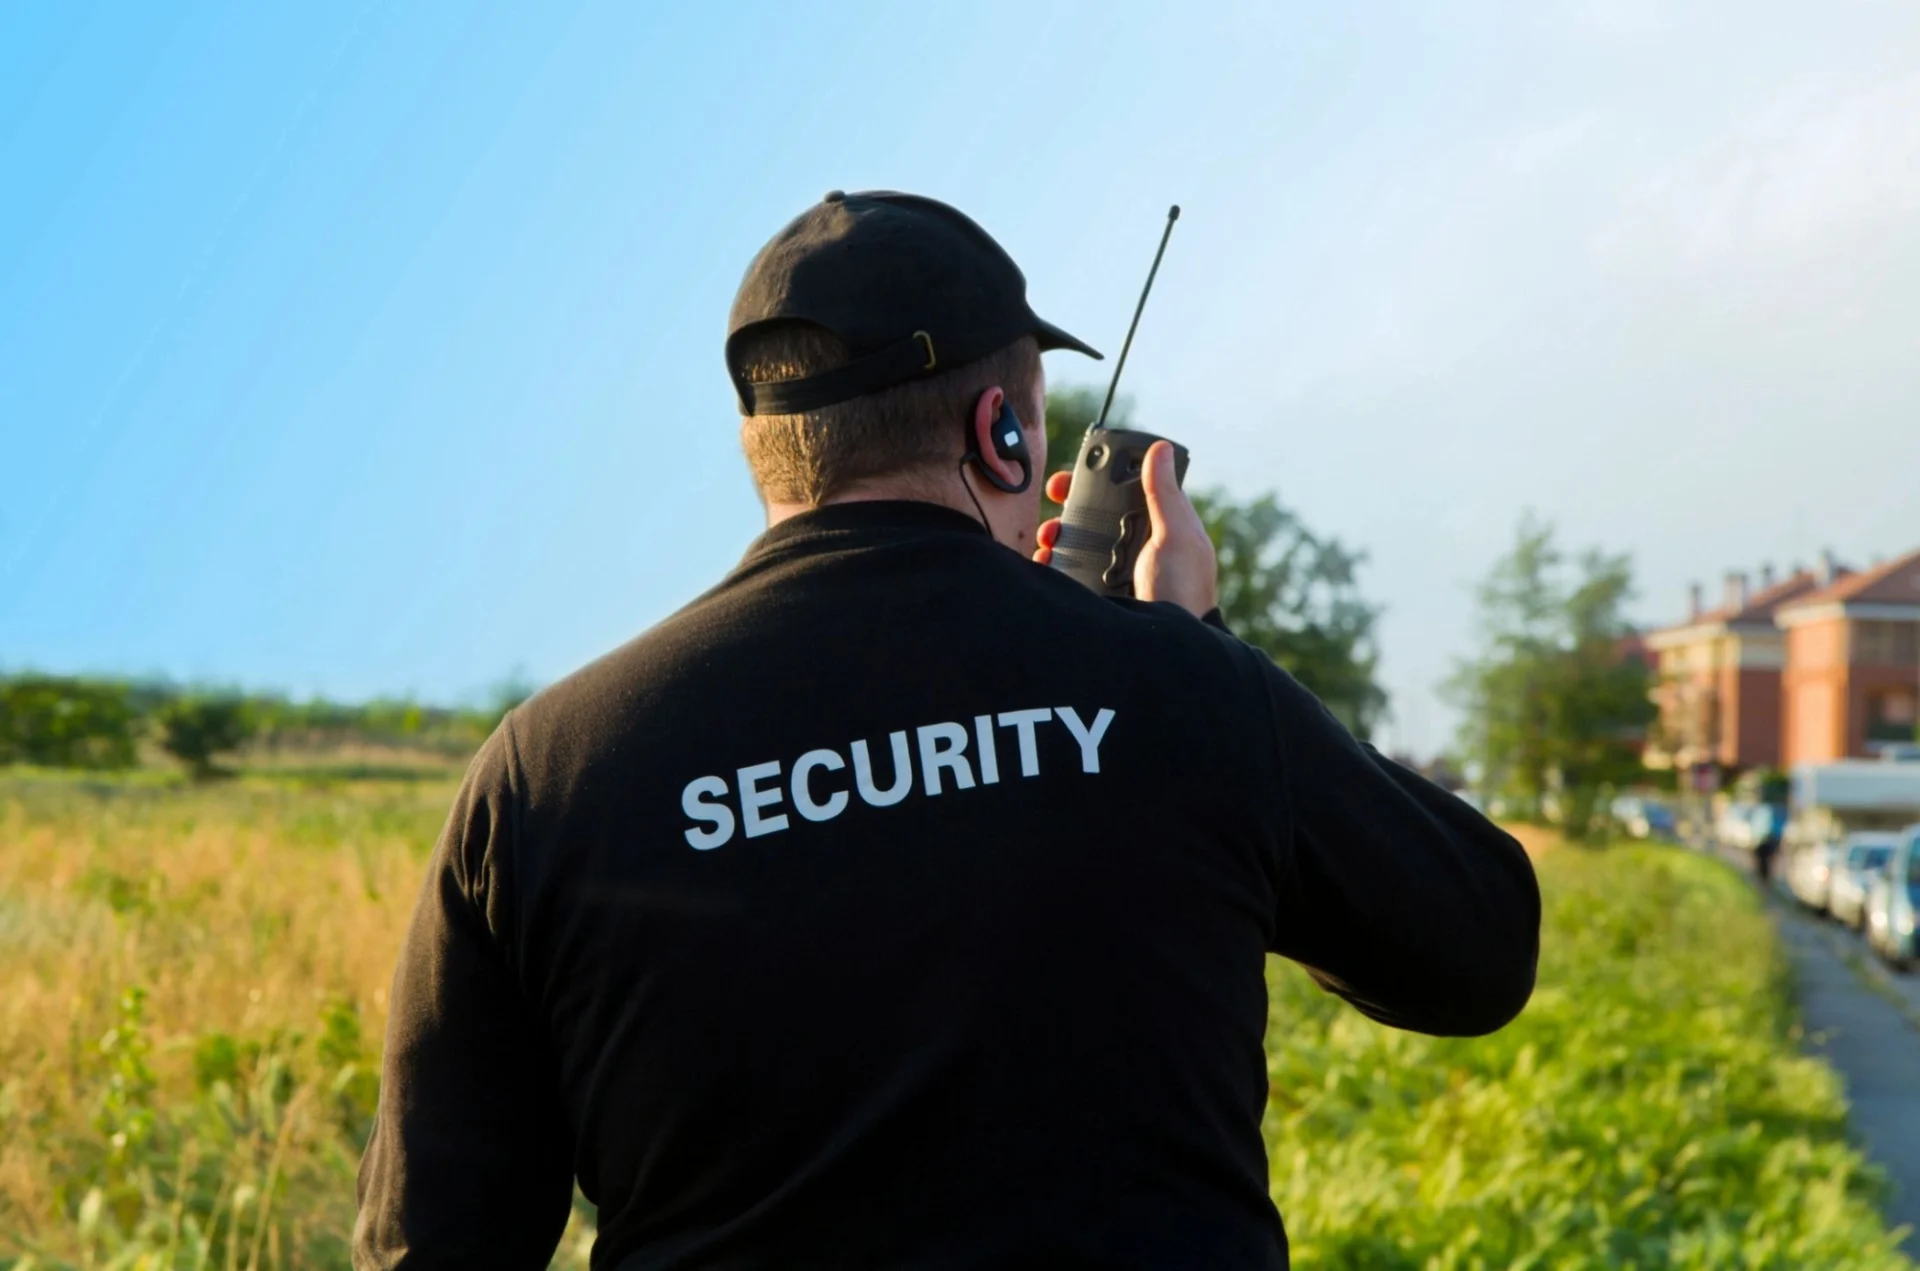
[[1177, 561]]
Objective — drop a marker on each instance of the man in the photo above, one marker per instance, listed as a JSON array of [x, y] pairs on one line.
[[901, 902]]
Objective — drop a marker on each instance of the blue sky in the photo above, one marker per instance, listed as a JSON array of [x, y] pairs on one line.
[[363, 348]]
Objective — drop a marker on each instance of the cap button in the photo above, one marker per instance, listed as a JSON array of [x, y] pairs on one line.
[[834, 196]]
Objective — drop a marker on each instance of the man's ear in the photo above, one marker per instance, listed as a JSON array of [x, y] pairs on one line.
[[999, 445], [986, 409]]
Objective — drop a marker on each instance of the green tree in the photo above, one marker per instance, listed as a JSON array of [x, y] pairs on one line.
[[1503, 691], [1283, 589], [64, 722], [1296, 595], [194, 729], [1552, 706]]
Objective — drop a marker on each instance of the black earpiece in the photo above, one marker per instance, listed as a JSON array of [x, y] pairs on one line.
[[1010, 444]]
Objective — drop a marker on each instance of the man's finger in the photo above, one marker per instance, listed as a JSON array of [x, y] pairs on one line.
[[1162, 488], [1044, 538], [1057, 486]]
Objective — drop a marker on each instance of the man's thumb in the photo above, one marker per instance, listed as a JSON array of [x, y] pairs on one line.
[[1161, 485]]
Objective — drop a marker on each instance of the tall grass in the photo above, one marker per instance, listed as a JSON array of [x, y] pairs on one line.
[[192, 991], [191, 987]]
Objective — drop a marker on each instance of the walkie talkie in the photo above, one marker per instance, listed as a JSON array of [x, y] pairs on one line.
[[1105, 523]]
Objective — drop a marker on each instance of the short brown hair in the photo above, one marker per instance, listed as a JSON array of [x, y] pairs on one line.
[[910, 429]]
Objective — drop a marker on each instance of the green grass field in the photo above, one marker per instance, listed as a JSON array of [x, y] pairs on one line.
[[192, 990]]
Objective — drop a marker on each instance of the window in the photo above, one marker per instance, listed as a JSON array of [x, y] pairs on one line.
[[1874, 860], [1886, 643], [1892, 715]]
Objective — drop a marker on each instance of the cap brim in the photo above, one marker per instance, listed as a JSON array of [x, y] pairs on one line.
[[1051, 337]]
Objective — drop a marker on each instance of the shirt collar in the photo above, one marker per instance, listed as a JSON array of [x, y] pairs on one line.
[[882, 519]]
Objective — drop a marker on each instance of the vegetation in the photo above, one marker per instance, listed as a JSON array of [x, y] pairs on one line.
[[1294, 594], [1554, 705], [66, 723], [54, 721], [195, 729], [192, 992], [193, 986], [1283, 588], [1652, 1107]]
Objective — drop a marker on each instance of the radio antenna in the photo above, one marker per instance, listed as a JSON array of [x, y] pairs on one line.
[[1173, 214]]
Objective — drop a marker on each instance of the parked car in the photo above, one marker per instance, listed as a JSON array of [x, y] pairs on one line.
[[1893, 903], [1864, 856], [1644, 818], [1810, 874]]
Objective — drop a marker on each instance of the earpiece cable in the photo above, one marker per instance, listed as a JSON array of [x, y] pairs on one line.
[[968, 485]]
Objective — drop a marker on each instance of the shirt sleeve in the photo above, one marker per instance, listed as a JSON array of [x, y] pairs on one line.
[[1393, 892], [469, 1163]]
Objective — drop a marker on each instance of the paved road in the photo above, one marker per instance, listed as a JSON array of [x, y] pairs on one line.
[[1866, 1021], [1875, 1047]]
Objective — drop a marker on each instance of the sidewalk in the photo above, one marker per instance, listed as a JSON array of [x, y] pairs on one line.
[[1856, 1020]]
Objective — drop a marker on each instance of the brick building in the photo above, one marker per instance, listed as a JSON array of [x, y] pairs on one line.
[[1852, 673], [1718, 676]]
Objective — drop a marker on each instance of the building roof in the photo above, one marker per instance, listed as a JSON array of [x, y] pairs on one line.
[[1759, 607], [1897, 582]]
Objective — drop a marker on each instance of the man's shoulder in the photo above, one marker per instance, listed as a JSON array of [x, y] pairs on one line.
[[585, 711]]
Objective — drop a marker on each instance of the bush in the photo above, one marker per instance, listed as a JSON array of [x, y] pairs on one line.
[[251, 1170], [1651, 1107], [61, 722]]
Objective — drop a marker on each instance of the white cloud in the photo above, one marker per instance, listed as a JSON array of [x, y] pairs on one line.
[[1818, 169]]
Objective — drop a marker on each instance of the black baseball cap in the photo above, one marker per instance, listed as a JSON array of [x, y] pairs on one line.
[[911, 285]]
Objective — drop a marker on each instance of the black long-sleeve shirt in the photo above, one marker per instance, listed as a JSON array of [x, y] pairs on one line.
[[902, 903]]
